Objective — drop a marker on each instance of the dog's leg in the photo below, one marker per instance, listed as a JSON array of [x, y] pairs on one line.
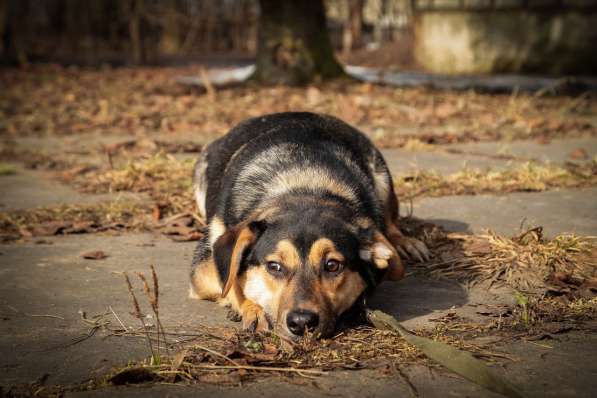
[[405, 245], [253, 317], [206, 285], [205, 281]]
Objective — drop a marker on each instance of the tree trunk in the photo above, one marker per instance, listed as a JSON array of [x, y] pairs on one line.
[[293, 43], [135, 31], [353, 28], [170, 39], [3, 23]]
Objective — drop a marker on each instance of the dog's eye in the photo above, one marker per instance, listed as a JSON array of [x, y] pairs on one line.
[[273, 268], [333, 266]]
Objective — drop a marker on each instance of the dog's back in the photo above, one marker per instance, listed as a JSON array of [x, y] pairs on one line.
[[290, 154]]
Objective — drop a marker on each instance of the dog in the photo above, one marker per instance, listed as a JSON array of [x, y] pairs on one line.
[[301, 221]]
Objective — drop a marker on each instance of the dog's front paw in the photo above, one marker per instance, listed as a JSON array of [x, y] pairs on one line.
[[412, 248], [254, 318], [233, 316]]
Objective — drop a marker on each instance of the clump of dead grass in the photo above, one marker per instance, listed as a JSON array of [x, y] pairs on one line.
[[155, 172], [584, 308], [79, 218], [527, 262], [536, 316], [526, 177], [164, 177], [416, 145], [7, 169]]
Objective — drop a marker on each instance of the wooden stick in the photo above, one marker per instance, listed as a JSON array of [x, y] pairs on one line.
[[259, 368]]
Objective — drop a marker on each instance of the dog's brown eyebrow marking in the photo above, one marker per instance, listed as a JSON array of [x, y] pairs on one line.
[[286, 253], [322, 249]]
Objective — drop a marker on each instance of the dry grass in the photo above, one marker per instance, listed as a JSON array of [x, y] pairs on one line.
[[528, 262], [64, 219], [7, 169], [165, 178], [526, 177], [416, 145], [226, 356]]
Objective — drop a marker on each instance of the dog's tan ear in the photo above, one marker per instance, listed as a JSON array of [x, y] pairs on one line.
[[231, 249], [379, 251]]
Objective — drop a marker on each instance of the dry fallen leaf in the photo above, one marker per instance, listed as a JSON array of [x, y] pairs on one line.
[[50, 228], [94, 255], [81, 227], [578, 154], [156, 213]]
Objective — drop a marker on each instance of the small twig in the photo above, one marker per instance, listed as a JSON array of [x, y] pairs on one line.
[[259, 368], [35, 315], [156, 294], [175, 217], [215, 353], [117, 318], [43, 316]]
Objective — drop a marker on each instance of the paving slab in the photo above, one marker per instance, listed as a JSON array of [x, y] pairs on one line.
[[29, 188], [401, 161], [554, 151], [52, 279], [558, 211], [452, 158]]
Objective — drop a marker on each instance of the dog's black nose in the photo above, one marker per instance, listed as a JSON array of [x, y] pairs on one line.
[[299, 320]]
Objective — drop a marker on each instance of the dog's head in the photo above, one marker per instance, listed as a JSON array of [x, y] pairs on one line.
[[305, 268]]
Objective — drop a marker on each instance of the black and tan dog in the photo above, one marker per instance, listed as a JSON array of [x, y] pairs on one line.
[[301, 218]]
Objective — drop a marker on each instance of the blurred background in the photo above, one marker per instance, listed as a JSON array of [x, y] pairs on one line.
[[442, 36]]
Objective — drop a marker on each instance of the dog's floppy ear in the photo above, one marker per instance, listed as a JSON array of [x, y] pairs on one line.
[[378, 250], [232, 247]]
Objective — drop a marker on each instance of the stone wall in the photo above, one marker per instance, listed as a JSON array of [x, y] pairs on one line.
[[507, 36]]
